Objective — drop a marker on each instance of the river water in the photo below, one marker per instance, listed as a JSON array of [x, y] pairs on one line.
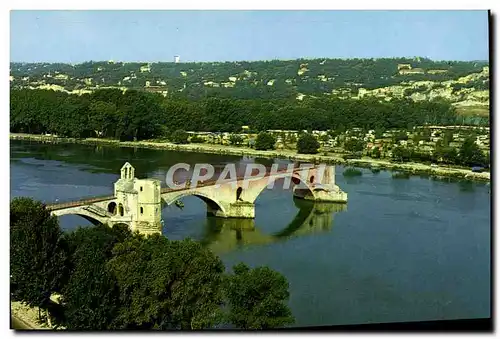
[[401, 250]]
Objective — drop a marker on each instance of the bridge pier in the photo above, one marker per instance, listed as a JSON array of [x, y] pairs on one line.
[[237, 209], [322, 186], [241, 209], [333, 195]]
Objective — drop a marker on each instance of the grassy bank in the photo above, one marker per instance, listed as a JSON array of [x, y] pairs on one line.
[[412, 168], [25, 318]]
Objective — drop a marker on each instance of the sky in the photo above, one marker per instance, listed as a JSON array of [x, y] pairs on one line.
[[156, 36]]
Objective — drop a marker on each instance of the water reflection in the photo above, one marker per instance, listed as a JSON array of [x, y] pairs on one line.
[[226, 235]]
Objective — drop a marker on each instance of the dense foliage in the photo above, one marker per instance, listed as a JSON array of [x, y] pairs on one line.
[[110, 278], [257, 298], [180, 285], [139, 115]]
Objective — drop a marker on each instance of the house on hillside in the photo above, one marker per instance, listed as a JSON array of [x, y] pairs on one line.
[[404, 66], [61, 77], [411, 71], [145, 68]]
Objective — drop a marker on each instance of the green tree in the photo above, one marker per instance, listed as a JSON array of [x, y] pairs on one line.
[[179, 137], [416, 138], [265, 141], [376, 153], [37, 253], [470, 154], [447, 138], [102, 118], [339, 130], [307, 144], [167, 284], [379, 133], [324, 138], [353, 145], [426, 135], [257, 298], [444, 153], [291, 139], [401, 153], [450, 155]]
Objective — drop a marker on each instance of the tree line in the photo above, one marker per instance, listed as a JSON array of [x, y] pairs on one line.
[[138, 115], [110, 278]]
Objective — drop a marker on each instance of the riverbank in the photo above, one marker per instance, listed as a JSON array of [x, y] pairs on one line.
[[413, 168], [25, 318]]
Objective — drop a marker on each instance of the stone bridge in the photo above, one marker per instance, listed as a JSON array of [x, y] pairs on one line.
[[137, 203]]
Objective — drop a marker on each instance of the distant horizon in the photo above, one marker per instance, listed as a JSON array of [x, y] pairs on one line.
[[71, 37], [239, 61]]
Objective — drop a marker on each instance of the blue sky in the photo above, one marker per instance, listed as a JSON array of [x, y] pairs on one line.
[[78, 36]]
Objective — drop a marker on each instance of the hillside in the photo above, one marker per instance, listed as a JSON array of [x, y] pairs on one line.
[[265, 79], [469, 94]]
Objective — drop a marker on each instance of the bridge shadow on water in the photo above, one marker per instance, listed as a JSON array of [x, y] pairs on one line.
[[226, 235]]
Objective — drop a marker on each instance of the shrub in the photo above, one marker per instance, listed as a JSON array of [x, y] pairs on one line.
[[265, 141], [179, 137], [197, 139]]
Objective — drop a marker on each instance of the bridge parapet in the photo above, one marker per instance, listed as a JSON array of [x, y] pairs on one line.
[[81, 202]]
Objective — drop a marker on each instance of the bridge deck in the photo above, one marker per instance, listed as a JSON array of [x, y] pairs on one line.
[[77, 203], [53, 207]]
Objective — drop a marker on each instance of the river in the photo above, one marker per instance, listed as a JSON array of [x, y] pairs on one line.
[[401, 250]]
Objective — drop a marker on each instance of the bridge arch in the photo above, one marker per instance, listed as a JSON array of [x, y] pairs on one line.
[[112, 208], [213, 205], [121, 224], [296, 179], [94, 219], [238, 193]]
